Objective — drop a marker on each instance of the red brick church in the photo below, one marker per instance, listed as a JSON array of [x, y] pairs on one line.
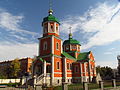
[[61, 61]]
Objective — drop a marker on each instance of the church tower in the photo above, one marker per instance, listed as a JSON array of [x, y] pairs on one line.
[[50, 45]]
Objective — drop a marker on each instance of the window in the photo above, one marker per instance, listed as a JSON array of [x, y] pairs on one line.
[[67, 48], [57, 29], [68, 66], [58, 65], [58, 81], [45, 46], [76, 69], [45, 29], [52, 28], [57, 46]]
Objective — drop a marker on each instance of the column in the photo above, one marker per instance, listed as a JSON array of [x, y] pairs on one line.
[[81, 72], [52, 74], [65, 69], [44, 72], [89, 70], [85, 71]]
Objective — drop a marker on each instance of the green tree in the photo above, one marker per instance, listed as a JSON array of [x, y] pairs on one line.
[[105, 71], [15, 67]]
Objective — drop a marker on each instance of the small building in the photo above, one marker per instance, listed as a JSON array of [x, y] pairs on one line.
[[59, 62], [25, 65]]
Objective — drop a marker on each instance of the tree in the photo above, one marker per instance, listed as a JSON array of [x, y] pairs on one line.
[[105, 72], [15, 67]]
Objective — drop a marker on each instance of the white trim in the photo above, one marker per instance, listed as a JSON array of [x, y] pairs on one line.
[[52, 70], [55, 27], [81, 72], [61, 47], [65, 68], [52, 45], [57, 72]]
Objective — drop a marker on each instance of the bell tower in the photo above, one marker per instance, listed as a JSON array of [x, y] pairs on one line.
[[50, 25], [50, 44]]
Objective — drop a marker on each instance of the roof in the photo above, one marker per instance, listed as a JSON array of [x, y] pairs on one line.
[[83, 56], [50, 17], [71, 41], [67, 55], [41, 59]]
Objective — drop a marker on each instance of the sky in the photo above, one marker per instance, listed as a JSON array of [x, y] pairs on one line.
[[95, 23]]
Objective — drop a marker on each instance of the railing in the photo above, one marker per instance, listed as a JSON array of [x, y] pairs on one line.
[[40, 77]]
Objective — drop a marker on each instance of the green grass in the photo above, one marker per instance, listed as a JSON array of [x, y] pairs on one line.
[[79, 86], [11, 84]]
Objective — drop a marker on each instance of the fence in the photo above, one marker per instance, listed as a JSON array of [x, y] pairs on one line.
[[107, 85], [9, 81]]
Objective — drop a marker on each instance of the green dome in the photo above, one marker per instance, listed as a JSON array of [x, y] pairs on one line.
[[71, 41], [50, 17]]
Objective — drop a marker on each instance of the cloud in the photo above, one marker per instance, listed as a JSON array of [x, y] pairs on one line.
[[11, 27], [15, 41], [11, 22], [11, 51], [101, 21]]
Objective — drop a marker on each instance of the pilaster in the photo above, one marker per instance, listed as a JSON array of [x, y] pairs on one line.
[[65, 69], [44, 72], [89, 70], [52, 74]]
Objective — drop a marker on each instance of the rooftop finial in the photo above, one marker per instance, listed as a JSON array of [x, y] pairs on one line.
[[50, 7], [70, 34]]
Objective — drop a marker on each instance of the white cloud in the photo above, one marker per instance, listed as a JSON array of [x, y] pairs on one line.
[[11, 22], [13, 36], [11, 51], [102, 20]]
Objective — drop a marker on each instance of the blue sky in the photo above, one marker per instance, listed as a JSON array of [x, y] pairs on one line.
[[95, 24]]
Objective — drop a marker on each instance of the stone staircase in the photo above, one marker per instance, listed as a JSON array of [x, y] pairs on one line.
[[40, 79]]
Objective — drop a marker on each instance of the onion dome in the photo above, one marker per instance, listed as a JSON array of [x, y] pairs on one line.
[[50, 17], [71, 40]]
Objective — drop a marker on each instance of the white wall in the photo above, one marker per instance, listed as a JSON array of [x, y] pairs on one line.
[[9, 81]]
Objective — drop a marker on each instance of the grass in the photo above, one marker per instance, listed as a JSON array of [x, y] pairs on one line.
[[11, 84], [79, 86]]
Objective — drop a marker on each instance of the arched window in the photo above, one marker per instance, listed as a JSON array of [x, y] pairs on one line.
[[45, 46], [58, 65], [57, 29], [57, 46]]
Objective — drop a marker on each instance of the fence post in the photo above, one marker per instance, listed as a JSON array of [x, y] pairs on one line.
[[34, 82], [101, 85], [38, 87], [64, 86], [85, 86], [114, 83]]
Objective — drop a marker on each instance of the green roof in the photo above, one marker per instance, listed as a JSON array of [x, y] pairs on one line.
[[71, 41], [50, 17], [67, 55], [41, 60], [83, 56]]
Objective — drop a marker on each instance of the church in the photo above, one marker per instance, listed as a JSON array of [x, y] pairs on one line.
[[61, 61]]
